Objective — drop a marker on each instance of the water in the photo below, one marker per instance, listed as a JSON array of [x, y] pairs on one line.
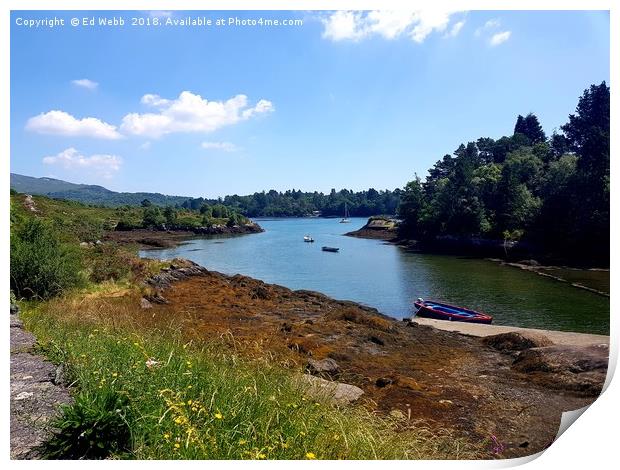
[[386, 277]]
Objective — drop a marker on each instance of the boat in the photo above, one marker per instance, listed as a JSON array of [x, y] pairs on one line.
[[308, 239], [330, 248], [345, 219], [443, 311]]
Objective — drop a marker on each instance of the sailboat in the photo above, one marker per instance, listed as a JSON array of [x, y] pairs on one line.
[[345, 219]]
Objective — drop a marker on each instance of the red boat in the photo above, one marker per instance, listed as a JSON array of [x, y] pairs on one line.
[[441, 311]]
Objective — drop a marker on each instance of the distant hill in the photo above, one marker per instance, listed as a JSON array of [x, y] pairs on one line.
[[87, 194]]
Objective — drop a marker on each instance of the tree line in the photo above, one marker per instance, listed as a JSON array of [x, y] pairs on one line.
[[296, 203], [551, 192]]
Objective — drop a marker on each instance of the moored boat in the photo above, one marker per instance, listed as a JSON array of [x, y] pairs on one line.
[[442, 311], [330, 248], [308, 239]]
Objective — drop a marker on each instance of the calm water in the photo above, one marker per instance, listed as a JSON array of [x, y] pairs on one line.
[[386, 277]]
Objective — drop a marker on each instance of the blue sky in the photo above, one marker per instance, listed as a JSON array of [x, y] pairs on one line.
[[346, 100]]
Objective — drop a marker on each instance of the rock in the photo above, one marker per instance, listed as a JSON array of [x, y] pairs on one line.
[[529, 262], [324, 366], [14, 309], [377, 340], [145, 303], [23, 396], [408, 382], [517, 341], [383, 382], [336, 392], [60, 377], [576, 368]]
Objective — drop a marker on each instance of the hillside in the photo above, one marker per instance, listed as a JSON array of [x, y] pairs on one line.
[[87, 194]]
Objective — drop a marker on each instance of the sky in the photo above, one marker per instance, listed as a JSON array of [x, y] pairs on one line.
[[345, 99]]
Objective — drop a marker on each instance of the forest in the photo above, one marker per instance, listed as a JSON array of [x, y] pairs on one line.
[[548, 192]]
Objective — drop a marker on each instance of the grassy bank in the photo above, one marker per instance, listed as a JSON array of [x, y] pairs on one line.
[[148, 393]]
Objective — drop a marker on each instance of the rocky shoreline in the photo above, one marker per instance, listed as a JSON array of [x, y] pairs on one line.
[[153, 239], [514, 388]]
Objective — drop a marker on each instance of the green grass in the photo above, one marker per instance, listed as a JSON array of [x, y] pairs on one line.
[[145, 394]]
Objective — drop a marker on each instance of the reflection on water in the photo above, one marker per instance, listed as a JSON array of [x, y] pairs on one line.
[[388, 278]]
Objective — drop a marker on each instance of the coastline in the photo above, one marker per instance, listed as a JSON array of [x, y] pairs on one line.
[[147, 239], [424, 371], [568, 338], [557, 273]]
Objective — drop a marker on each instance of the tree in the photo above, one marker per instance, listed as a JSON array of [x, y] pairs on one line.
[[410, 207], [171, 215], [530, 127], [146, 203], [152, 217]]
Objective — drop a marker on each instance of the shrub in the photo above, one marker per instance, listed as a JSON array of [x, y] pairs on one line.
[[94, 427], [41, 265], [109, 262]]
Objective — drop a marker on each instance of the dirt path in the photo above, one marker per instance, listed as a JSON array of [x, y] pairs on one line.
[[34, 395]]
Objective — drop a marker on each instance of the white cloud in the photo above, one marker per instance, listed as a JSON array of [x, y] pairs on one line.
[[146, 145], [85, 83], [493, 23], [71, 159], [351, 25], [456, 29], [499, 38], [224, 146], [61, 123], [190, 113]]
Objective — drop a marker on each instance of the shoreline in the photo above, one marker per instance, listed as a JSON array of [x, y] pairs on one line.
[[390, 236], [147, 239], [558, 337]]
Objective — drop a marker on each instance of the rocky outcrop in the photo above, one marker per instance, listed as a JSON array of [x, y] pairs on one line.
[[516, 341], [36, 393], [382, 228], [335, 392], [578, 368]]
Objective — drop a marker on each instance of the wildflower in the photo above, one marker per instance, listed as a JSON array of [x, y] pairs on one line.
[[261, 456], [177, 445], [285, 445], [166, 436], [189, 402], [136, 344], [151, 363], [242, 442], [218, 415], [189, 386], [301, 433], [115, 374], [310, 455]]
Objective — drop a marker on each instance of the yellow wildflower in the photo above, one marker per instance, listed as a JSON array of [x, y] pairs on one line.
[[177, 445], [166, 436], [310, 455], [261, 456], [218, 415]]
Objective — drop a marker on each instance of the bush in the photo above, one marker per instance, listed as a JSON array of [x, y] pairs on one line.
[[42, 266], [94, 427], [109, 262]]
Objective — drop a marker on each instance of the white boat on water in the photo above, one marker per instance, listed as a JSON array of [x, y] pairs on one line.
[[345, 219], [308, 239]]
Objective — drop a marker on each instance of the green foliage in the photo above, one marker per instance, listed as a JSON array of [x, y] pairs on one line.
[[554, 193], [107, 261], [150, 395], [171, 215], [94, 427], [152, 217], [41, 265]]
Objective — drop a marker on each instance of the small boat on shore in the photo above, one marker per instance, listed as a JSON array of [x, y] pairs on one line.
[[308, 239], [442, 311], [330, 248]]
